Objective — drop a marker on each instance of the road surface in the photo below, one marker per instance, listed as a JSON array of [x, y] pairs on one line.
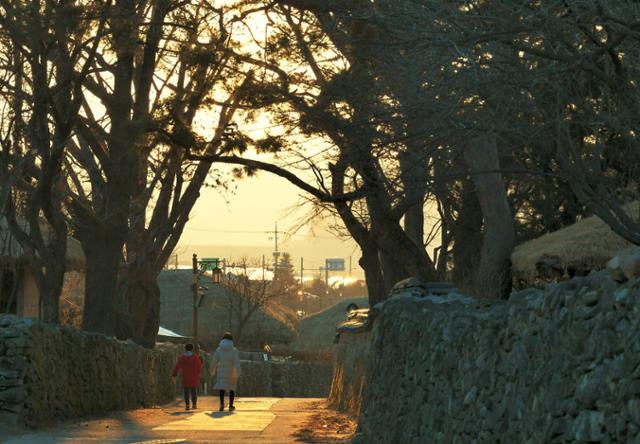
[[256, 420]]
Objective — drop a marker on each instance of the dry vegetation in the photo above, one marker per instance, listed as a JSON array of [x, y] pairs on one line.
[[327, 426]]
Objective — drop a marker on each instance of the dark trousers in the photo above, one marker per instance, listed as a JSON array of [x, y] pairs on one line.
[[193, 391], [232, 396]]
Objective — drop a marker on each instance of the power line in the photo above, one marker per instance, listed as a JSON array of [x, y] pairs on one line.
[[214, 230]]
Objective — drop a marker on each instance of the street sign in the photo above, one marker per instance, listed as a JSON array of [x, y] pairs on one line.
[[336, 264], [210, 263]]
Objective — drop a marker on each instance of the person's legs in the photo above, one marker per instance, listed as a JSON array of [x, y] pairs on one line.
[[186, 397], [194, 397], [221, 400], [232, 396]]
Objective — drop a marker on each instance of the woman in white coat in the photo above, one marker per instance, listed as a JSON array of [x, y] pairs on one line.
[[226, 364]]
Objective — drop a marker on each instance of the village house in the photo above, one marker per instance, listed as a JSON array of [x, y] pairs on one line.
[[19, 293]]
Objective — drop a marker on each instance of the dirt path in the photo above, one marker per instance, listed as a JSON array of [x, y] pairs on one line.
[[256, 420]]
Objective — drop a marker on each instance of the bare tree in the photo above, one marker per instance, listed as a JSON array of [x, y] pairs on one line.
[[48, 51], [245, 296]]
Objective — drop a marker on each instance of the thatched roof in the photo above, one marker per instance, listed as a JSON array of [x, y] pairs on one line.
[[316, 333], [586, 245], [11, 250], [176, 312]]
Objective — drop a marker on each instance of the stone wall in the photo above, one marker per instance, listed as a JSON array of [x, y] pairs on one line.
[[349, 372], [285, 379], [548, 366], [49, 372]]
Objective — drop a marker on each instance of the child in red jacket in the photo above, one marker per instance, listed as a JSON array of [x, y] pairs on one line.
[[191, 365]]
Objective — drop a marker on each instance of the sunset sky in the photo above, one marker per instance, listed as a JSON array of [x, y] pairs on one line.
[[236, 226]]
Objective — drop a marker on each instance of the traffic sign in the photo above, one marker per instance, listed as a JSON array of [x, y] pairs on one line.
[[336, 264], [210, 263]]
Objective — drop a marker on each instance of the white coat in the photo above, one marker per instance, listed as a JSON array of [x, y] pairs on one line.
[[226, 364]]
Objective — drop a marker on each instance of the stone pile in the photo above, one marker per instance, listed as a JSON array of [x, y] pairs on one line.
[[49, 372], [553, 365]]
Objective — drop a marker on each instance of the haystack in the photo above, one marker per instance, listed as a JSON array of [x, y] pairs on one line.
[[316, 333], [584, 246], [176, 313]]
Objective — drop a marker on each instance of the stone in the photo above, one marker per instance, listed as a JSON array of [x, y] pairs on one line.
[[634, 410], [590, 298], [588, 426], [625, 265], [470, 397], [12, 395]]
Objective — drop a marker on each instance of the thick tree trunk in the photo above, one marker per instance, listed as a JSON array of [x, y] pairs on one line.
[[103, 256], [467, 235], [50, 287], [391, 272], [370, 263], [493, 279], [138, 306], [414, 224]]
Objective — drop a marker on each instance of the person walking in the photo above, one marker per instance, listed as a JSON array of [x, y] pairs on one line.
[[226, 364], [190, 365]]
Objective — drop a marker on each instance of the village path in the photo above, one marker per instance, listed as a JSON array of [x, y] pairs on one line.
[[256, 420]]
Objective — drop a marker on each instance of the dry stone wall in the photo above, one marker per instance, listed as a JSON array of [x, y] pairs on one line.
[[556, 365], [49, 372], [350, 372], [285, 379]]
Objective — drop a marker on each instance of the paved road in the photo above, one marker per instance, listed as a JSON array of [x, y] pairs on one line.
[[256, 420]]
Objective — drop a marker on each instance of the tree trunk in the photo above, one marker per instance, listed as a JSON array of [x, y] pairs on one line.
[[50, 287], [370, 263], [138, 306], [391, 272], [414, 224], [103, 257], [467, 236], [493, 278]]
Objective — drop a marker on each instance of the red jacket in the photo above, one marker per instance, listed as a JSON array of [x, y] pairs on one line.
[[191, 366]]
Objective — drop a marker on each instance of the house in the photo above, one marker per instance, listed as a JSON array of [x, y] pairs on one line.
[[214, 318], [577, 249], [18, 290]]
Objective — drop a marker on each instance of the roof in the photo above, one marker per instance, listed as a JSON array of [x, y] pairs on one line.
[[169, 333], [176, 311], [587, 245], [317, 332], [11, 249]]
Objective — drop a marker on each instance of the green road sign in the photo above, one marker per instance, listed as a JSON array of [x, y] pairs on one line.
[[209, 263]]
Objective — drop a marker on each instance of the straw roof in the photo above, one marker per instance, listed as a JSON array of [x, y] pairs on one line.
[[11, 250], [586, 245], [317, 333], [176, 312]]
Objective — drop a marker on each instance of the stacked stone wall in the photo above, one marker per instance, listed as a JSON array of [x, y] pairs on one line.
[[49, 372], [285, 379], [350, 372], [557, 365]]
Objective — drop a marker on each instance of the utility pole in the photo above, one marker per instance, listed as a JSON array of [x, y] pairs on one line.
[[326, 273], [194, 287], [302, 273], [263, 268], [349, 266], [276, 253]]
